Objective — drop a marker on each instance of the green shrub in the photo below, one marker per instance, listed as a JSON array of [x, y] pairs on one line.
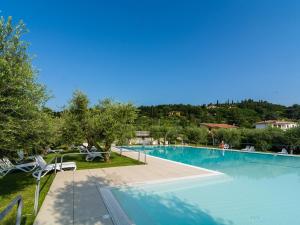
[[195, 135], [229, 136]]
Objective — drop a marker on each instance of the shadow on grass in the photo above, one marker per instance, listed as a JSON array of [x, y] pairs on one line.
[[15, 182], [20, 183]]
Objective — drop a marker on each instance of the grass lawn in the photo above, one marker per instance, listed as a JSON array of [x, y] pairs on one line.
[[23, 184], [115, 160]]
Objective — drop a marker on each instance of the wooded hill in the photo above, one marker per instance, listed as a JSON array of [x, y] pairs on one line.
[[242, 114]]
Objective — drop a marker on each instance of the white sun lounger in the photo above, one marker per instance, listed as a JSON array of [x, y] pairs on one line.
[[82, 149], [6, 166], [246, 149], [249, 149], [283, 151], [22, 157], [252, 149], [46, 168], [91, 155], [49, 150]]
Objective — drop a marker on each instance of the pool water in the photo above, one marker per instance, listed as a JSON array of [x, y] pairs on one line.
[[256, 189]]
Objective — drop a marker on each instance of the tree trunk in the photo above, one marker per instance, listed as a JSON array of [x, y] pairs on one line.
[[106, 155]]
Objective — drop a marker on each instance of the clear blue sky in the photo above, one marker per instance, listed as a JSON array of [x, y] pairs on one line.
[[153, 52]]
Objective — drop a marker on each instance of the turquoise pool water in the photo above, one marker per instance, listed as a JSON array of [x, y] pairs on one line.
[[257, 189]]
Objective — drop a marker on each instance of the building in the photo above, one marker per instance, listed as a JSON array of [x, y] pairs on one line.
[[284, 125], [141, 138], [211, 126]]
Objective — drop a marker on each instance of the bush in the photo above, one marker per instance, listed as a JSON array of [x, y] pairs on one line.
[[195, 135], [229, 136], [264, 139], [292, 137]]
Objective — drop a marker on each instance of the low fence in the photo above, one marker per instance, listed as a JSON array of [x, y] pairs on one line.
[[17, 201], [138, 152], [37, 188]]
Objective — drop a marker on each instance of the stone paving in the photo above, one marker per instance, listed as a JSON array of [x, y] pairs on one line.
[[75, 197]]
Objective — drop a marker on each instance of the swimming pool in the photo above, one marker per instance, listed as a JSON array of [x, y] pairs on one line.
[[257, 189]]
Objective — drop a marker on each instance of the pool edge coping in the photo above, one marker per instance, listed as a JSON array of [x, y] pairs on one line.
[[212, 148]]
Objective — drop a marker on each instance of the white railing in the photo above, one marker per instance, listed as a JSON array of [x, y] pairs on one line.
[[121, 150], [37, 188], [17, 201]]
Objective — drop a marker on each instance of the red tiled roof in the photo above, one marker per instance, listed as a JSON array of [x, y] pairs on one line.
[[218, 125]]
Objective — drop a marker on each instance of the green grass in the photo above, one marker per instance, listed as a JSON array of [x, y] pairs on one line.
[[115, 160], [23, 184]]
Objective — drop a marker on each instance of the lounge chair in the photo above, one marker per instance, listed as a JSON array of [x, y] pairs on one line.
[[93, 149], [91, 155], [249, 149], [82, 149], [6, 166], [49, 150], [226, 146], [246, 149], [46, 168], [22, 157], [283, 151], [252, 149]]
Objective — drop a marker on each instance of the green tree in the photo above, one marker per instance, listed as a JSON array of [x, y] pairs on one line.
[[229, 136], [293, 137], [112, 122], [165, 131], [263, 139], [76, 120], [21, 96], [157, 132], [195, 135]]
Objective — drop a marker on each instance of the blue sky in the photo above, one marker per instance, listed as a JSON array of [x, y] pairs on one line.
[[153, 52]]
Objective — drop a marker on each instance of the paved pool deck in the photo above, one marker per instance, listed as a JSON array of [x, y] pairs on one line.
[[76, 197]]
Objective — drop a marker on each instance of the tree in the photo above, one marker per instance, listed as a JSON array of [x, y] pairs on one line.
[[165, 131], [21, 96], [157, 132], [112, 122], [229, 136], [263, 139], [76, 120], [293, 137], [195, 135]]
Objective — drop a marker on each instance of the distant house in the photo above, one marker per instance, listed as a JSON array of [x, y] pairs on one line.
[[174, 113], [141, 138], [211, 126], [284, 125]]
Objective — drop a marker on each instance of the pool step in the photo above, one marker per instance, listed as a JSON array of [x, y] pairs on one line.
[[116, 212]]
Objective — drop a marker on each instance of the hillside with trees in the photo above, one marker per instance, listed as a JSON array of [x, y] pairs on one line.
[[243, 114]]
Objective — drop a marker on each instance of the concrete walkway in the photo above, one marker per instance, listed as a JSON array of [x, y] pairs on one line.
[[75, 198]]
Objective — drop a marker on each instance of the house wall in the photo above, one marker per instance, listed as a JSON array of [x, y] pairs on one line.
[[260, 126], [283, 126], [140, 141]]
